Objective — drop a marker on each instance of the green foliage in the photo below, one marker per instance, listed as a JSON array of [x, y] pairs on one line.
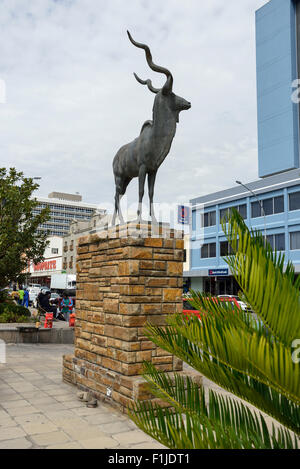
[[248, 358], [9, 317], [17, 310], [20, 242]]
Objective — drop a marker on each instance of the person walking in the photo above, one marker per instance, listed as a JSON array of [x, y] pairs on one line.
[[66, 306], [25, 301], [21, 296]]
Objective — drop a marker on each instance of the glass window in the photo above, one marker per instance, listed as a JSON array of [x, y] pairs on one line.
[[280, 242], [294, 201], [204, 251], [270, 240], [223, 248], [268, 206], [212, 218], [279, 204], [243, 210], [208, 250], [255, 209], [223, 213], [212, 250], [295, 240], [209, 219]]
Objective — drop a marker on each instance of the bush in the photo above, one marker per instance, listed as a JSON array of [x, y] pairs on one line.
[[9, 317], [14, 309]]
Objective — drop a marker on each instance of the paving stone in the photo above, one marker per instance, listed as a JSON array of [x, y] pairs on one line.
[[7, 422], [14, 404], [99, 443], [65, 397], [3, 414], [18, 443], [98, 418], [133, 437], [50, 407], [70, 445], [83, 432], [34, 428], [11, 433], [30, 418], [115, 427], [64, 414], [29, 409], [70, 405], [152, 445], [10, 396], [51, 438]]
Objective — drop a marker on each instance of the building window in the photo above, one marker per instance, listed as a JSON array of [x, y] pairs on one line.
[[277, 242], [54, 251], [294, 201], [242, 209], [208, 250], [225, 249], [295, 240], [270, 207], [209, 219]]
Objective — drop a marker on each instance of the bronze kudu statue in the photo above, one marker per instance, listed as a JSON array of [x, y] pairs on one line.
[[146, 153]]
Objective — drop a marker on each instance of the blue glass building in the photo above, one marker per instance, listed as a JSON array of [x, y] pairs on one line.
[[278, 190]]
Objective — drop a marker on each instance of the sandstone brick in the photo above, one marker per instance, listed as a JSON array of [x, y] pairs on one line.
[[172, 294], [139, 253], [153, 242], [174, 268], [111, 305]]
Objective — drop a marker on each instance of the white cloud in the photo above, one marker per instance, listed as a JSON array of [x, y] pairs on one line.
[[72, 101]]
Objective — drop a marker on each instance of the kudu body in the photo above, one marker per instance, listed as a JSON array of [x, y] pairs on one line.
[[143, 156]]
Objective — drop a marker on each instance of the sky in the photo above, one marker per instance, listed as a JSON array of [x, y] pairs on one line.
[[72, 100]]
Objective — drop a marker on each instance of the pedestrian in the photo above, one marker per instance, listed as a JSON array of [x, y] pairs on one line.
[[66, 306], [26, 298], [44, 303], [21, 296]]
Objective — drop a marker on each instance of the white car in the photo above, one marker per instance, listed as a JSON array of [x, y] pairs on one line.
[[243, 305]]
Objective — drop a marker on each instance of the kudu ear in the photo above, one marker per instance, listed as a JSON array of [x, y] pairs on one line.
[[167, 88], [148, 83]]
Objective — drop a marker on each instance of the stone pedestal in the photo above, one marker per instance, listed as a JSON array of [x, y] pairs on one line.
[[125, 278]]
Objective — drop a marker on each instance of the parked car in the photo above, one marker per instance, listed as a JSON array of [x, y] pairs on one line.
[[242, 304], [188, 309]]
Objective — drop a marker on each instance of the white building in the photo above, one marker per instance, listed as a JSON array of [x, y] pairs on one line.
[[51, 264], [63, 209]]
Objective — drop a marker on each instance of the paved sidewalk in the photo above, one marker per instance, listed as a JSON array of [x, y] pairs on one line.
[[38, 410]]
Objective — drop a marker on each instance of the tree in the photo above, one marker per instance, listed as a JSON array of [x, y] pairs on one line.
[[249, 355], [20, 241]]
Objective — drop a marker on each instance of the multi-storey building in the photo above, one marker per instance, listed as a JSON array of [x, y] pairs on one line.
[[64, 208], [271, 204], [51, 264], [78, 229]]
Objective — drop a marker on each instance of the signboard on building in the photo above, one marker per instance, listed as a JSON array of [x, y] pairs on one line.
[[46, 265], [183, 215], [218, 272]]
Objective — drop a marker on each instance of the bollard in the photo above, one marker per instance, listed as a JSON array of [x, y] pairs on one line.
[[48, 321], [72, 320]]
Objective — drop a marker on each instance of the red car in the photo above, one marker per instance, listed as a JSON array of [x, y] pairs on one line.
[[188, 309]]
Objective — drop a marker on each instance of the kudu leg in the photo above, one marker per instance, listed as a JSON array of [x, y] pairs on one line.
[[151, 182], [117, 202], [142, 178]]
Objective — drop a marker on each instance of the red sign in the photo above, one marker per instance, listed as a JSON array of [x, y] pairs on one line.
[[47, 265]]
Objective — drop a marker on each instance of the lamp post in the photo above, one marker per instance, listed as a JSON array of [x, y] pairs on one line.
[[260, 204]]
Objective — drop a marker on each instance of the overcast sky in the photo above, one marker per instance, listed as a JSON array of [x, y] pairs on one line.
[[72, 100]]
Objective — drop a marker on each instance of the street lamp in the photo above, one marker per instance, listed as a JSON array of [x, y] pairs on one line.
[[261, 206]]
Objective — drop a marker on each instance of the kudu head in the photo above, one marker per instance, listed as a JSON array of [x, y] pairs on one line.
[[164, 96]]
